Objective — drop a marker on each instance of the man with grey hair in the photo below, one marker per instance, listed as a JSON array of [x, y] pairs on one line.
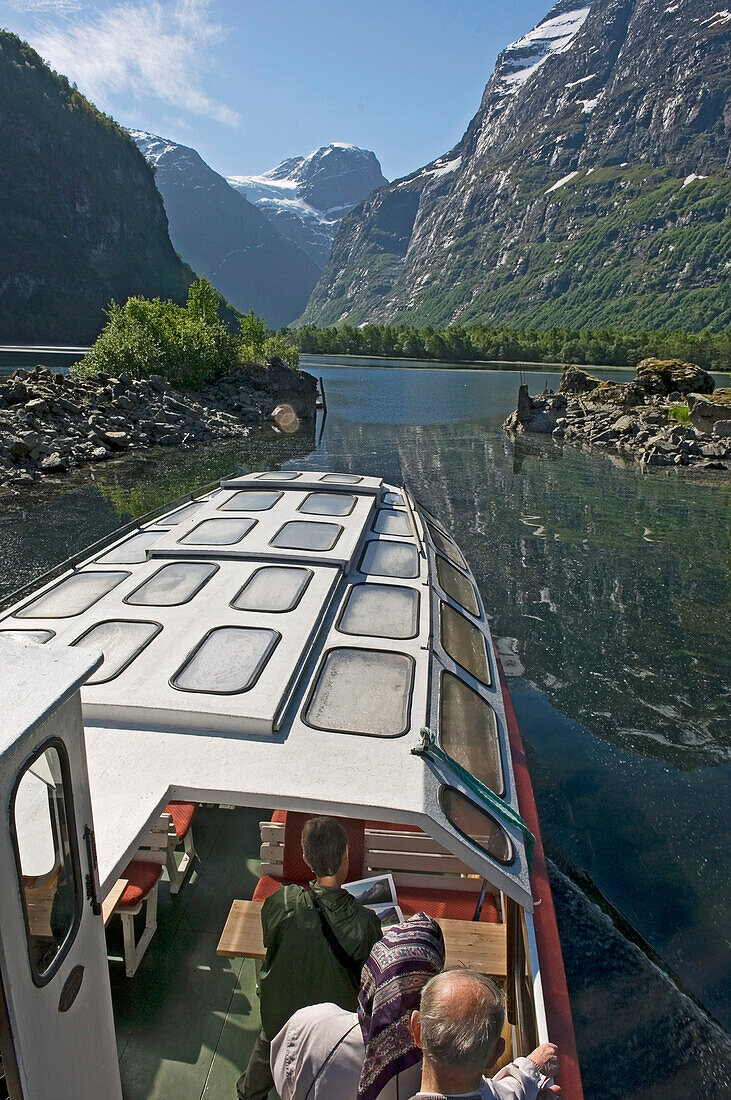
[[458, 1029]]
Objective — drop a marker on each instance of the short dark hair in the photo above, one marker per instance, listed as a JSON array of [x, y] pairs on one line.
[[461, 1036], [324, 841]]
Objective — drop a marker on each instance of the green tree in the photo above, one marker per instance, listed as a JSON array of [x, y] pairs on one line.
[[253, 337]]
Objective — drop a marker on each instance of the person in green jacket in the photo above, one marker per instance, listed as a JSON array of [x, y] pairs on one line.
[[301, 967]]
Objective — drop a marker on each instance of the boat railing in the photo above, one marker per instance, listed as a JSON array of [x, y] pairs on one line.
[[88, 552]]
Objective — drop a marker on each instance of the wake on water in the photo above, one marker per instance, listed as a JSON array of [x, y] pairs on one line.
[[639, 1036]]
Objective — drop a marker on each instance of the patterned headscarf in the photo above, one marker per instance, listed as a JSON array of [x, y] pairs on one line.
[[396, 971]]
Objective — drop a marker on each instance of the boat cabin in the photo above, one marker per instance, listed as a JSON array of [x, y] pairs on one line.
[[294, 642]]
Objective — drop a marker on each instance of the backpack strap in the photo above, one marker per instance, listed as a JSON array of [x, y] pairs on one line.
[[346, 961]]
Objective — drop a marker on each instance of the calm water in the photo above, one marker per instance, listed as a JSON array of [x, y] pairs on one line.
[[609, 593]]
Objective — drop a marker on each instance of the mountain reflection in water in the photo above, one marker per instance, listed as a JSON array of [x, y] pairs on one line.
[[608, 589]]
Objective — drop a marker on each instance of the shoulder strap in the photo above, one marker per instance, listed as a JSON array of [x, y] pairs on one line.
[[347, 962]]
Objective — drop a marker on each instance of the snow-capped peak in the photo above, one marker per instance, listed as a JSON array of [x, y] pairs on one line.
[[315, 191], [152, 146], [553, 35]]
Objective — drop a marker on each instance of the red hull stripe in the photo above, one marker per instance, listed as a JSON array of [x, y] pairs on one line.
[[553, 977]]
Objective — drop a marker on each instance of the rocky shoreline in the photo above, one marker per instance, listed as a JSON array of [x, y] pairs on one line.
[[51, 423], [668, 415]]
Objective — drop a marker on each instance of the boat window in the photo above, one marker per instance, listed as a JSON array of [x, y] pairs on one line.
[[249, 500], [132, 551], [304, 535], [459, 587], [390, 559], [381, 611], [390, 522], [120, 641], [447, 547], [328, 504], [342, 479], [229, 660], [36, 636], [432, 518], [174, 584], [362, 691], [476, 824], [45, 849], [464, 643], [73, 595], [393, 498], [468, 732], [273, 588], [279, 475], [218, 532], [182, 513]]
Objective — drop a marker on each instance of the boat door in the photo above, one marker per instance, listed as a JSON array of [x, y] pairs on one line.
[[56, 1023]]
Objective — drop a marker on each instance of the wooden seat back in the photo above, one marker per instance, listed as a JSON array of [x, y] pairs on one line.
[[415, 859], [153, 847]]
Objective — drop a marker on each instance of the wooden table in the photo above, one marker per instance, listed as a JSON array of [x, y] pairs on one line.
[[110, 902], [479, 946]]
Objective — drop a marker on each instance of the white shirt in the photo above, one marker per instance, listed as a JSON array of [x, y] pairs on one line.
[[521, 1080], [318, 1055]]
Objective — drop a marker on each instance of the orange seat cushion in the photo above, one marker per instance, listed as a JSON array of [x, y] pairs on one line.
[[141, 877], [455, 904], [266, 886], [392, 827], [182, 814]]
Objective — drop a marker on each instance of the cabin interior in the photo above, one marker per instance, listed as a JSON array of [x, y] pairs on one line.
[[187, 1020]]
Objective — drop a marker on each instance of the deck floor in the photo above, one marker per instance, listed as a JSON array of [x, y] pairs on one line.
[[187, 1021]]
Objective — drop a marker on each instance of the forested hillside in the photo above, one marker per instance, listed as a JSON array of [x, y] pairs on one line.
[[81, 221]]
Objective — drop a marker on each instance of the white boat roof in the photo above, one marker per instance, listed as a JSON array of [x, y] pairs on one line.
[[280, 642]]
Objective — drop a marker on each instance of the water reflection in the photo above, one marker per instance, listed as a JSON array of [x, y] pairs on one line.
[[45, 525]]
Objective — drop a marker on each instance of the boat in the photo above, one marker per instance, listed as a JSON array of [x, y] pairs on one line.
[[307, 640]]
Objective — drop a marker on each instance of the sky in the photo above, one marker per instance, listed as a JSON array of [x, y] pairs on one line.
[[250, 82]]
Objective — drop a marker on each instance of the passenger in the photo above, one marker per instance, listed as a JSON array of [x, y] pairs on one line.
[[326, 1053], [458, 1028], [316, 944]]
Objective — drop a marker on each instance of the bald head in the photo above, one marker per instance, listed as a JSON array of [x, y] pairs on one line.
[[461, 1018]]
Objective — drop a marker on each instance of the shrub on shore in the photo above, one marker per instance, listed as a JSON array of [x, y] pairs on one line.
[[188, 345], [257, 346]]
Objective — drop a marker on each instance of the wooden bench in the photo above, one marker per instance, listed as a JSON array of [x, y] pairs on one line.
[[425, 873], [481, 947]]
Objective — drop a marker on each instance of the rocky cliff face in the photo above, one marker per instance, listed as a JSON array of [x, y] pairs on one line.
[[225, 238], [80, 219], [306, 197], [591, 188]]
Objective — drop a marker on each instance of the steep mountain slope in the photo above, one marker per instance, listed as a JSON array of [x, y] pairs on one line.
[[80, 219], [226, 238], [591, 188], [306, 197]]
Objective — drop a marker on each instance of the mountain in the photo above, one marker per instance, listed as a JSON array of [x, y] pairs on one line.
[[80, 219], [306, 197], [225, 237], [590, 189]]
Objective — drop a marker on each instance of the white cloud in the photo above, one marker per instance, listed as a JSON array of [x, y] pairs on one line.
[[158, 49], [57, 6]]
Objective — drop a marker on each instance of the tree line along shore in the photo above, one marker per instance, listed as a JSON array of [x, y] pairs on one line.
[[490, 343]]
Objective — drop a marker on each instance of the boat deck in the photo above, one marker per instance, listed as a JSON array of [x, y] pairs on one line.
[[187, 1021]]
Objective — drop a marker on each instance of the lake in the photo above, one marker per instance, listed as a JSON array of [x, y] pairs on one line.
[[608, 592]]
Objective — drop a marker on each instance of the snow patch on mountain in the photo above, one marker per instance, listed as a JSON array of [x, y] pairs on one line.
[[561, 182], [152, 147], [306, 197], [522, 58]]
